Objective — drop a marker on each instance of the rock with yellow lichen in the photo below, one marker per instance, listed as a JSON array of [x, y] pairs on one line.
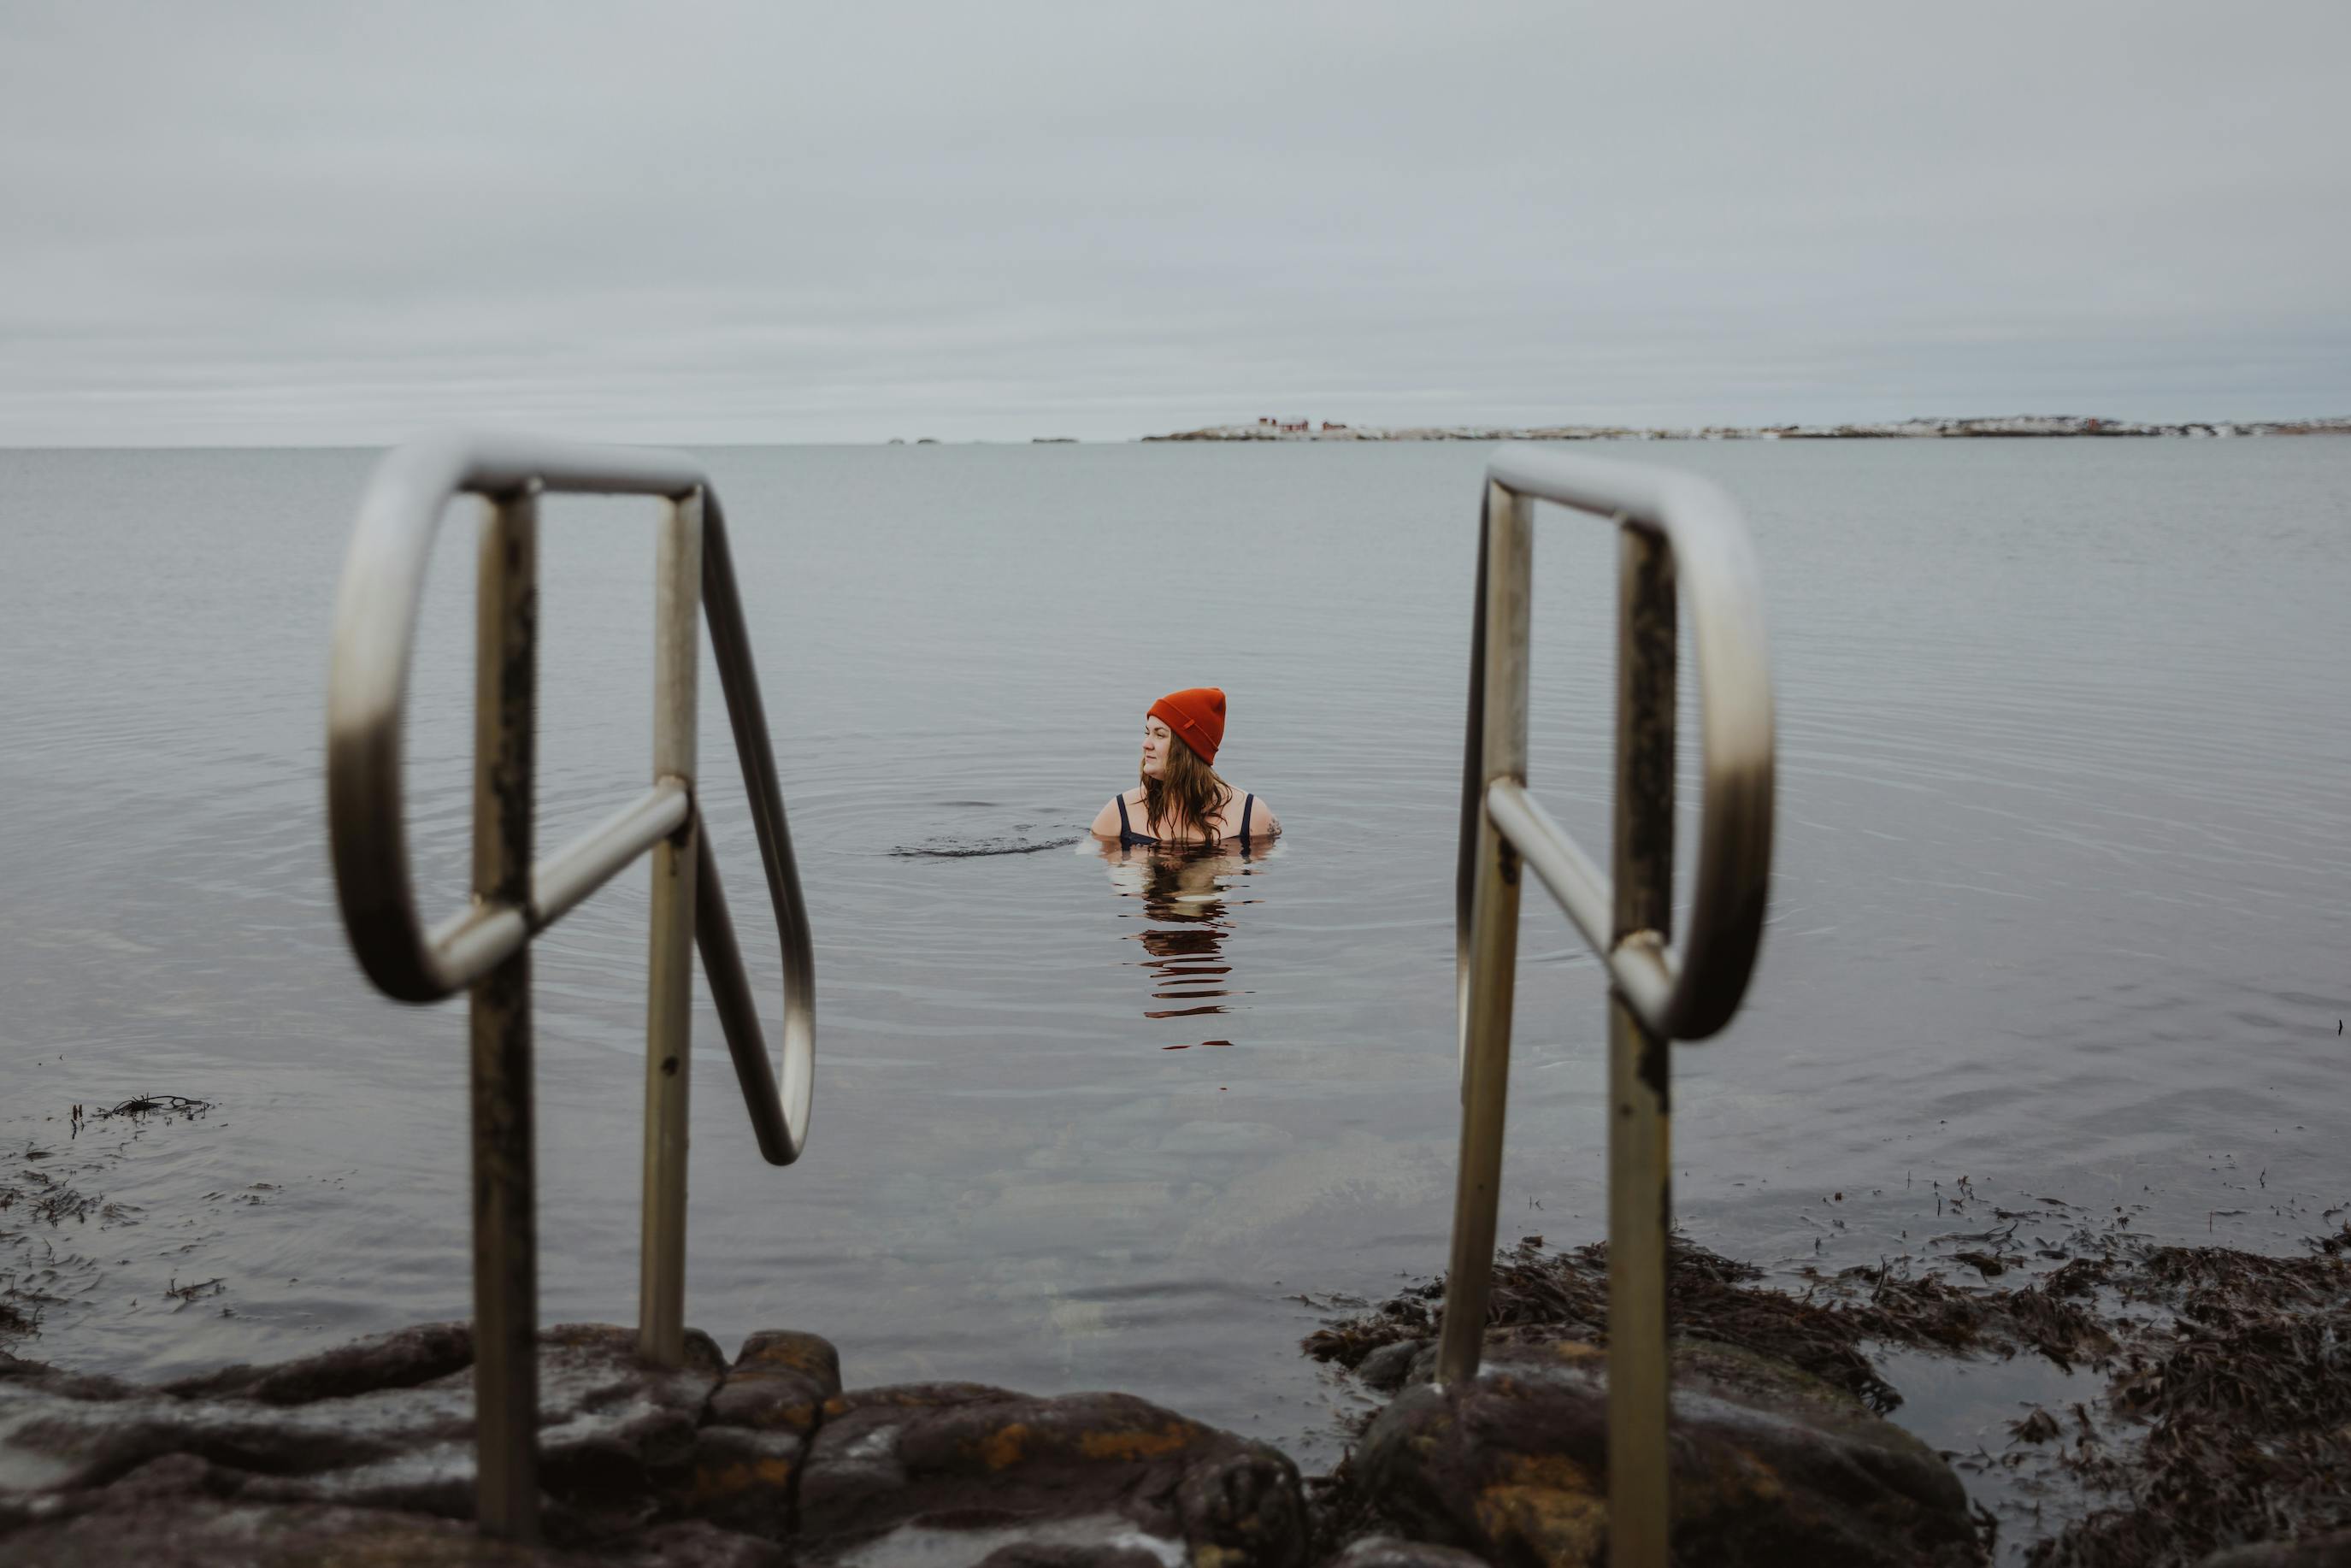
[[1103, 1473], [365, 1455], [1768, 1466]]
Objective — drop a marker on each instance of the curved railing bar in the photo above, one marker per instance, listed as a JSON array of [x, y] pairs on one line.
[[375, 620], [1690, 991], [738, 679]]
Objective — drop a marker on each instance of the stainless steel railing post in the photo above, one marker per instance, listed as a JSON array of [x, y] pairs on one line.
[[1506, 544], [1640, 1188], [669, 1002], [506, 1200]]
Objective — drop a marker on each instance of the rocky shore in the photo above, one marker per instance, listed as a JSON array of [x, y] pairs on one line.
[[366, 1451], [2222, 1440], [2174, 1406], [2010, 425]]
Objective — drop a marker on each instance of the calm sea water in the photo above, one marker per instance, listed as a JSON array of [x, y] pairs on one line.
[[2065, 786]]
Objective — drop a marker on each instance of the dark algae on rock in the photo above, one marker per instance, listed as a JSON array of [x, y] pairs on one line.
[[2241, 1381], [2224, 1423], [1565, 1295]]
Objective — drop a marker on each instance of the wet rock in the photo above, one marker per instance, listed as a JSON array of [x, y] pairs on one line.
[[1061, 1554], [616, 1434], [694, 1543], [399, 1360], [1390, 1367], [53, 1442], [365, 1454], [1389, 1552], [744, 1479], [780, 1380], [187, 1534], [202, 1535], [1770, 1465], [174, 1475], [1103, 1474], [2331, 1550], [351, 1428], [18, 1375]]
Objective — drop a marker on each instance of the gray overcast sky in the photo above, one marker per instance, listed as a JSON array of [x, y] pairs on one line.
[[313, 222]]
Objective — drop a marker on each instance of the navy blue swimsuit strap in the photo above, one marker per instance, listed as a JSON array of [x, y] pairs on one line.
[[1127, 837], [1248, 803]]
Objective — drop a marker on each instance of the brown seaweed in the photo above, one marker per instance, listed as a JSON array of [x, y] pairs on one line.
[[2227, 1411]]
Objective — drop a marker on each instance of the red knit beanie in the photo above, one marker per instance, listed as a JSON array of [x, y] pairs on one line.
[[1197, 717]]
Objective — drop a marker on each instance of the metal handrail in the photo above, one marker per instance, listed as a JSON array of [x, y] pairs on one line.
[[486, 946], [1673, 531]]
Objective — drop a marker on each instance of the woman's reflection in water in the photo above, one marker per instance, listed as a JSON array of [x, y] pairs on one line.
[[1186, 896]]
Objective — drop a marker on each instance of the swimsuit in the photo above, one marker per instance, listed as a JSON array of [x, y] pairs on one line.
[[1128, 838]]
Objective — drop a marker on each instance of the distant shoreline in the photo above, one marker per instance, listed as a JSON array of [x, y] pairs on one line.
[[2029, 426]]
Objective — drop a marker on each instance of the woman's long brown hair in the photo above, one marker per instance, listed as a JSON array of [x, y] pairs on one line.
[[1186, 798]]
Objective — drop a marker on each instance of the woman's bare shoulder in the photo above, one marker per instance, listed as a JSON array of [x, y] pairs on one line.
[[1262, 822], [1264, 813], [1106, 819]]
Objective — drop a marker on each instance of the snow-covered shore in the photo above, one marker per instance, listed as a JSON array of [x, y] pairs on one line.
[[2027, 424]]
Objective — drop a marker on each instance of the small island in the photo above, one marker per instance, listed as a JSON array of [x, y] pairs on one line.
[[2020, 424]]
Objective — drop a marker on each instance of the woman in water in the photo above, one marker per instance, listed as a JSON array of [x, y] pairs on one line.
[[1181, 801]]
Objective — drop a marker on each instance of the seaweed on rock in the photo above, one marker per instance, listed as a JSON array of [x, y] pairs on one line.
[[2226, 1418]]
